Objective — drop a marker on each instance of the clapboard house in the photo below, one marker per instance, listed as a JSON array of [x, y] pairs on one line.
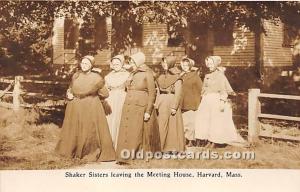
[[251, 59], [151, 38]]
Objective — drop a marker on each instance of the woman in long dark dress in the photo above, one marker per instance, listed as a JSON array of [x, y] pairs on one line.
[[191, 89], [168, 105], [138, 127], [85, 133]]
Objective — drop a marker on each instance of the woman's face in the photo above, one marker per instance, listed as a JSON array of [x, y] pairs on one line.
[[164, 65], [210, 65], [185, 65], [85, 65], [116, 65]]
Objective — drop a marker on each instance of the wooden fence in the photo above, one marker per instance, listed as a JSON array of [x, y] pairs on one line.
[[254, 114], [17, 94], [254, 104]]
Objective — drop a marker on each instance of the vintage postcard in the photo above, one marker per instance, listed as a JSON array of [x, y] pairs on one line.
[[94, 93]]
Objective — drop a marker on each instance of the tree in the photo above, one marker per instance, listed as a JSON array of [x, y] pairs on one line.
[[27, 25], [26, 28]]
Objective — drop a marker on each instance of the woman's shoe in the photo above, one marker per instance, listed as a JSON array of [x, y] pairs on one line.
[[122, 163], [208, 144], [190, 144]]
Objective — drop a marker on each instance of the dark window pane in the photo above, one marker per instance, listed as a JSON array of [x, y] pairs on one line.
[[87, 38], [71, 33], [289, 35], [223, 37], [101, 37], [126, 34], [137, 34], [176, 37]]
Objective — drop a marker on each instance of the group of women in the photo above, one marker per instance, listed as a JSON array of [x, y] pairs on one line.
[[139, 110]]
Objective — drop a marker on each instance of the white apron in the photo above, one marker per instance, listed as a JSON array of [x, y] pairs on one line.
[[214, 125]]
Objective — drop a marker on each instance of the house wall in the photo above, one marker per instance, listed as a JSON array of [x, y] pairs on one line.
[[155, 41], [278, 59], [239, 60], [155, 45], [241, 53], [275, 55], [62, 56]]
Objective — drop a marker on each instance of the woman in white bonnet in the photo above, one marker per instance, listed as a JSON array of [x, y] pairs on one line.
[[115, 82], [191, 97], [213, 122], [85, 132], [138, 127]]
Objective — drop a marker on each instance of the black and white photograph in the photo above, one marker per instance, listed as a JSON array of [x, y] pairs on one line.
[[100, 85]]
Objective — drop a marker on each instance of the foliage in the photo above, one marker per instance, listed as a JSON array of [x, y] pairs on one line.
[[27, 25]]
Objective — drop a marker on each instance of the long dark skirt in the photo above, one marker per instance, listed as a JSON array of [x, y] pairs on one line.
[[170, 127], [85, 133], [135, 134]]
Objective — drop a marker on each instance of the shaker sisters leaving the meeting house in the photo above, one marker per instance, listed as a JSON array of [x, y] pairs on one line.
[[144, 113]]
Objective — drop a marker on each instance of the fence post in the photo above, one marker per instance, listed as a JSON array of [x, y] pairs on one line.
[[254, 109], [16, 93]]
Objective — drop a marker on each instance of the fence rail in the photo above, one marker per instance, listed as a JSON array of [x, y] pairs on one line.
[[277, 96], [254, 105], [17, 93], [254, 113], [37, 95], [21, 80], [281, 117]]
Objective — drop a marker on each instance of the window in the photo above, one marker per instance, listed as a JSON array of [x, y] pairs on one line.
[[126, 34], [71, 33], [93, 35], [137, 34], [87, 38], [176, 37], [223, 37], [289, 35]]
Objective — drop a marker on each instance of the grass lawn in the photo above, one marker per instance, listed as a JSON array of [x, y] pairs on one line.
[[26, 144]]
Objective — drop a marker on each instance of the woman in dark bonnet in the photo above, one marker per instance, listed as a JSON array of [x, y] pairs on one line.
[[168, 107]]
